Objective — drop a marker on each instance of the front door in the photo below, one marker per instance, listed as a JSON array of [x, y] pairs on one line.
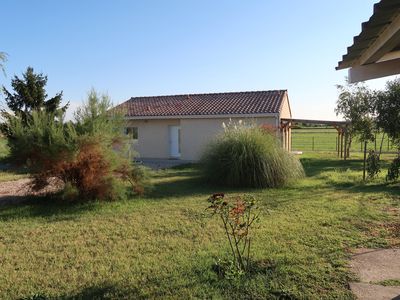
[[174, 141]]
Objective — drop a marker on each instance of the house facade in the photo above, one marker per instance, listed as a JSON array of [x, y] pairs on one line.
[[181, 126]]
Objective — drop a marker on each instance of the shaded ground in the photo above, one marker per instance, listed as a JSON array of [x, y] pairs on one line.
[[157, 164]]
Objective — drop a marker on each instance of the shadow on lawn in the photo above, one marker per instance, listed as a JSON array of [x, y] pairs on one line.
[[314, 167], [386, 188], [105, 291], [186, 183], [45, 207]]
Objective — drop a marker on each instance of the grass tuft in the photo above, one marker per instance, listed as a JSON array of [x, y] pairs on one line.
[[249, 157]]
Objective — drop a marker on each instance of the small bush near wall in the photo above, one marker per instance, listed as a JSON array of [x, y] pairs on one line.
[[247, 156]]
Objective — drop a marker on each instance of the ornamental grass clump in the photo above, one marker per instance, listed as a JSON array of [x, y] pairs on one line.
[[248, 156]]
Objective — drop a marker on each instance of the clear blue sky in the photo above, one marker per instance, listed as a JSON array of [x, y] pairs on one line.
[[137, 48]]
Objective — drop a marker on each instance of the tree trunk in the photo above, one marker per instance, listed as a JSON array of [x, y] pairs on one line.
[[380, 148], [350, 139], [365, 158]]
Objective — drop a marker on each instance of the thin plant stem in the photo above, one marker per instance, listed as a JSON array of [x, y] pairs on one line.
[[229, 238]]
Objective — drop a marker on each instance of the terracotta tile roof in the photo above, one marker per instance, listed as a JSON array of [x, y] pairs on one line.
[[205, 104]]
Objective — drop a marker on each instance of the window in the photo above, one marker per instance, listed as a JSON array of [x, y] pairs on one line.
[[132, 132]]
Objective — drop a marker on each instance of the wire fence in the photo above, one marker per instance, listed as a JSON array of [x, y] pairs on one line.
[[326, 139]]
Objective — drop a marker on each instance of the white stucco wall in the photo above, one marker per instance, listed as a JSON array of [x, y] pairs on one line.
[[197, 133], [153, 137]]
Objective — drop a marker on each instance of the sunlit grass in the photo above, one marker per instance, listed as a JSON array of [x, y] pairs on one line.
[[163, 245]]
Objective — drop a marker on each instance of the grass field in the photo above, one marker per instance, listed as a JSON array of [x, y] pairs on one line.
[[164, 245], [325, 139]]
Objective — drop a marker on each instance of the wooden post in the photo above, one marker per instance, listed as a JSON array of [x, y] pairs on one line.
[[346, 140], [345, 145], [365, 158], [338, 144], [341, 144], [287, 138], [291, 140]]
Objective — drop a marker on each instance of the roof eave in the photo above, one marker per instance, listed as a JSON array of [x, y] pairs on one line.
[[379, 36], [216, 116]]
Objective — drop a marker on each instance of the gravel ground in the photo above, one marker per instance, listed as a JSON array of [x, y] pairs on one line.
[[17, 191]]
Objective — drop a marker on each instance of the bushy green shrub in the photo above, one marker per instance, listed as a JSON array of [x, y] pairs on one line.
[[90, 155], [394, 170], [44, 140], [4, 150], [248, 156], [373, 164]]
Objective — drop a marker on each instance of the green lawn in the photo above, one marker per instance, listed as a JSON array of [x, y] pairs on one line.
[[164, 245]]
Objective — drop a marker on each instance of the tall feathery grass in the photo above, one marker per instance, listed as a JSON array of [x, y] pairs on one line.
[[248, 156]]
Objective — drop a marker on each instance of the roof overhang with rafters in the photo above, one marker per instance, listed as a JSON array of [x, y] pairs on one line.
[[375, 52]]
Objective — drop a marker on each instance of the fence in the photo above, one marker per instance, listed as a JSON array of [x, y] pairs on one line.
[[326, 139]]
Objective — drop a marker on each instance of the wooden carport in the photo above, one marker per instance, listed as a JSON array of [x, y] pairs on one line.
[[341, 127]]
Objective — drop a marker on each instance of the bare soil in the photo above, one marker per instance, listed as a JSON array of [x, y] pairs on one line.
[[17, 191]]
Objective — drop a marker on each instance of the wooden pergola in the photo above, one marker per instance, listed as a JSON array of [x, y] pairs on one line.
[[340, 126]]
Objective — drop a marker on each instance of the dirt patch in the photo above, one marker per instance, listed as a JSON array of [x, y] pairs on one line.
[[20, 190], [389, 231], [392, 230]]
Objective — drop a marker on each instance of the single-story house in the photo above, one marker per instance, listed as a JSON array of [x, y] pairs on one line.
[[180, 126], [375, 52]]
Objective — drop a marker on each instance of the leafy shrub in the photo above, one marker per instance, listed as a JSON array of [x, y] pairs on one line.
[[4, 150], [89, 156], [394, 170], [238, 214], [373, 164], [42, 142], [244, 156], [90, 172]]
